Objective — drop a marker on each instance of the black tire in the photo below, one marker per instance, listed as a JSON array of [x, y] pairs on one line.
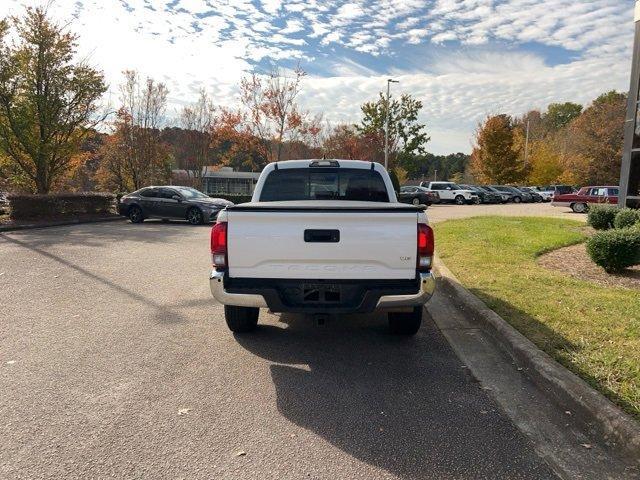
[[460, 200], [135, 214], [241, 319], [195, 217], [579, 207], [538, 199], [416, 201], [517, 200], [405, 323]]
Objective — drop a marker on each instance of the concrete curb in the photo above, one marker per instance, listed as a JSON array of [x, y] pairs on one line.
[[568, 389], [62, 223]]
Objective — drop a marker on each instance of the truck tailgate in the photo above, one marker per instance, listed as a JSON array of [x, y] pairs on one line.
[[372, 244]]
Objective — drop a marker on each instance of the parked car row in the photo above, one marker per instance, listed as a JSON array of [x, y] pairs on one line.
[[184, 203], [428, 193]]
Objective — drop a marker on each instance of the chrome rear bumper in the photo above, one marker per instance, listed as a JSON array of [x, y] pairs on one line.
[[216, 283], [386, 302], [427, 287]]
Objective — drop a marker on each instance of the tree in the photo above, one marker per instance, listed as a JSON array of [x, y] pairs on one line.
[[135, 156], [430, 166], [559, 115], [197, 120], [494, 158], [407, 136], [344, 141], [546, 165], [595, 141], [48, 99], [307, 140], [537, 128], [235, 144], [272, 113]]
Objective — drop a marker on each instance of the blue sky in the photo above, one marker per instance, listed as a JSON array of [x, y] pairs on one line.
[[463, 58]]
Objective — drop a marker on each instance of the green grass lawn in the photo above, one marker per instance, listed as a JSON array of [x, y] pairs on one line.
[[592, 330]]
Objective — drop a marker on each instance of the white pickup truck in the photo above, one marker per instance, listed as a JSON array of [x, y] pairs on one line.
[[323, 237]]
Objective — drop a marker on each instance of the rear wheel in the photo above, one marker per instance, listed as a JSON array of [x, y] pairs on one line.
[[517, 200], [459, 200], [579, 207], [135, 214], [405, 323], [241, 319], [195, 216], [416, 201]]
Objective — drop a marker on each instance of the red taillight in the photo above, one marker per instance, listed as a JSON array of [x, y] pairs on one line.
[[219, 245], [426, 245]]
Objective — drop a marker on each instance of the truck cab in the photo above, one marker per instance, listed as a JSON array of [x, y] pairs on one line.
[[323, 237]]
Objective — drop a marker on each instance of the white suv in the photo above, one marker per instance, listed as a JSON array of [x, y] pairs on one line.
[[450, 192]]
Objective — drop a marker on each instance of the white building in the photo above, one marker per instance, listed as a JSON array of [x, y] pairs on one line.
[[224, 181]]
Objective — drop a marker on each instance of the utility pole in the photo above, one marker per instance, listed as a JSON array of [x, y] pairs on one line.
[[526, 145], [386, 124], [435, 175]]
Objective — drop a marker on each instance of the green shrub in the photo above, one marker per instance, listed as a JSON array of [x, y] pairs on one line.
[[615, 250], [60, 204], [626, 217], [601, 217]]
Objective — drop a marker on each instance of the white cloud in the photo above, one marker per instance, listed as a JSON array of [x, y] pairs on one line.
[[494, 54]]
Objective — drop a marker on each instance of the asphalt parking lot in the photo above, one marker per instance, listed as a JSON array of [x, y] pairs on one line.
[[115, 361]]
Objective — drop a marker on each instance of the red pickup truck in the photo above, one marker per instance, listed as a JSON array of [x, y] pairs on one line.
[[579, 202]]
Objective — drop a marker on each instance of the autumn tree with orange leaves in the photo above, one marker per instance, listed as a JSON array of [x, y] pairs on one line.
[[495, 157], [272, 113], [134, 156], [233, 140], [198, 122]]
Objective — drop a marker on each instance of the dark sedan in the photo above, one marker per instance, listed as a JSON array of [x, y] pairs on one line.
[[417, 195], [517, 196], [536, 196], [171, 202], [485, 196], [504, 196]]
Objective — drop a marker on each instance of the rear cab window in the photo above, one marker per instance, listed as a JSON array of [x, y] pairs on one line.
[[289, 184]]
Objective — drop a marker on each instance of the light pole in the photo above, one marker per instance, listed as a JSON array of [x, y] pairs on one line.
[[386, 125], [526, 146]]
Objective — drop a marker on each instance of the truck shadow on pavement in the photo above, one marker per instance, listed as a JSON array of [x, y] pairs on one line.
[[404, 405], [163, 313], [108, 233]]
